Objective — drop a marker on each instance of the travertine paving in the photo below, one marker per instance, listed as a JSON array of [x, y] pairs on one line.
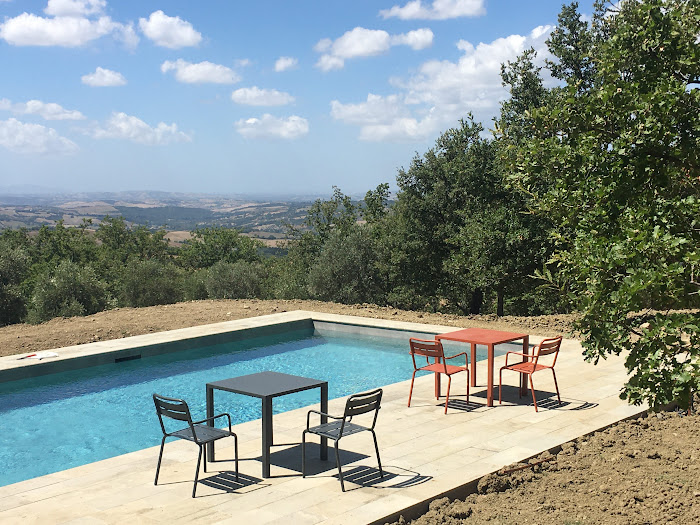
[[425, 454]]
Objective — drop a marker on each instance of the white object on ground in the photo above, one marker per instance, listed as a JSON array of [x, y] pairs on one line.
[[39, 355]]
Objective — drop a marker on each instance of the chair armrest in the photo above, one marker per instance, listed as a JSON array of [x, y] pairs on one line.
[[308, 417], [228, 416], [456, 355], [529, 356]]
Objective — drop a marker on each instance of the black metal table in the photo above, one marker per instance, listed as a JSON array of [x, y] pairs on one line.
[[266, 386]]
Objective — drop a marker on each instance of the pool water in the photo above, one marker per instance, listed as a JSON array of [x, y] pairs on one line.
[[63, 420]]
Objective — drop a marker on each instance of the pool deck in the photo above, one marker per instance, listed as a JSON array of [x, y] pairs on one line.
[[425, 453]]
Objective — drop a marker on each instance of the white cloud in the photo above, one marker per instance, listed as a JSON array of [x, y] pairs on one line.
[[66, 31], [169, 31], [418, 39], [103, 78], [438, 10], [254, 96], [442, 91], [123, 126], [361, 42], [201, 73], [46, 110], [268, 126], [285, 63], [20, 137], [75, 7]]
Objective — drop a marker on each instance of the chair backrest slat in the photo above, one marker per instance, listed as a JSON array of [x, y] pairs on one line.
[[172, 408], [363, 403], [548, 347], [426, 347]]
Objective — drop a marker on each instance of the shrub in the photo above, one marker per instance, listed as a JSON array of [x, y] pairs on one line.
[[194, 285], [346, 269], [14, 264], [150, 282], [239, 280], [66, 291]]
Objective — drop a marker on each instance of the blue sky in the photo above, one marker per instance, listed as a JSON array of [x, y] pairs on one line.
[[276, 97]]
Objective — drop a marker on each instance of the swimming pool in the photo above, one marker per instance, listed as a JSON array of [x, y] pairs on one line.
[[66, 419]]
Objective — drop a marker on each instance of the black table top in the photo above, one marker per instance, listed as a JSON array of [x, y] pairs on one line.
[[266, 384]]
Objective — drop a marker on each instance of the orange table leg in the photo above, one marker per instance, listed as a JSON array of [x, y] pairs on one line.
[[473, 364], [523, 377], [489, 385]]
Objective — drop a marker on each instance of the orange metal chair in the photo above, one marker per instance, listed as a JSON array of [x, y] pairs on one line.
[[433, 349], [548, 347]]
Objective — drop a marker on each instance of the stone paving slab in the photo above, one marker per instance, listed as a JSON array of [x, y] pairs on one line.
[[425, 453]]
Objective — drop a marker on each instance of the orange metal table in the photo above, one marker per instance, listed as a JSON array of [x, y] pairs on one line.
[[488, 338]]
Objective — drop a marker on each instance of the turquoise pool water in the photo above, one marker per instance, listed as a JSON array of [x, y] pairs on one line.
[[63, 420]]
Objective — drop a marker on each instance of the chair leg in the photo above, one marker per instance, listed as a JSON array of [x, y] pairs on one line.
[[376, 448], [556, 386], [410, 392], [204, 455], [447, 398], [235, 440], [303, 454], [160, 457], [467, 386], [532, 387], [196, 474], [337, 462]]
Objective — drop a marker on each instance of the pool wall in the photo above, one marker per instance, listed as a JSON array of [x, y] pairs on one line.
[[113, 351]]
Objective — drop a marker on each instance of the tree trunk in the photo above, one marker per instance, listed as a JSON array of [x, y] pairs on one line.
[[476, 302], [499, 302]]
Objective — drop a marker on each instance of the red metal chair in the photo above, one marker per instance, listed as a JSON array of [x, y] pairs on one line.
[[531, 364], [433, 349]]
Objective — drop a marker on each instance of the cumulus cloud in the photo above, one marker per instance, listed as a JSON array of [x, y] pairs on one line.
[[73, 23], [285, 63], [254, 96], [200, 73], [441, 91], [46, 110], [75, 7], [361, 42], [127, 127], [438, 10], [268, 126], [169, 31], [103, 78], [20, 137]]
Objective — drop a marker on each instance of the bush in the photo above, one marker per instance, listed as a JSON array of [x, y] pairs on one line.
[[346, 269], [14, 264], [239, 280], [150, 282], [66, 291], [194, 285]]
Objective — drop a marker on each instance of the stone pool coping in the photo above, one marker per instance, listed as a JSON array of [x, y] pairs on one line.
[[426, 454]]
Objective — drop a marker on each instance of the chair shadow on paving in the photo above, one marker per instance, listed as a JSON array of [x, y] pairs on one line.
[[370, 477], [462, 405], [225, 481], [545, 399]]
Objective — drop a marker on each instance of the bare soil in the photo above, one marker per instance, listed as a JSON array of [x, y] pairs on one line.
[[636, 472]]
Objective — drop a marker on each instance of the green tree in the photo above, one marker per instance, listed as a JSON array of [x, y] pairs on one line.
[[616, 166], [148, 282], [65, 291], [346, 269], [211, 245], [14, 268], [239, 280]]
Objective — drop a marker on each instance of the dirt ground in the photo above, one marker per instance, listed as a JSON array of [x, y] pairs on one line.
[[636, 472]]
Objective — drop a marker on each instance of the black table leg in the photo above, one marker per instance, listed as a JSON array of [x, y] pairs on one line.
[[210, 413], [266, 435], [324, 419]]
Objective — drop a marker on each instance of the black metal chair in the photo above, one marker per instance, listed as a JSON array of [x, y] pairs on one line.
[[199, 434], [342, 426]]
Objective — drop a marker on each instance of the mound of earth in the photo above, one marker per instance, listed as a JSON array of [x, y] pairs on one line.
[[642, 471], [124, 322], [639, 471]]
